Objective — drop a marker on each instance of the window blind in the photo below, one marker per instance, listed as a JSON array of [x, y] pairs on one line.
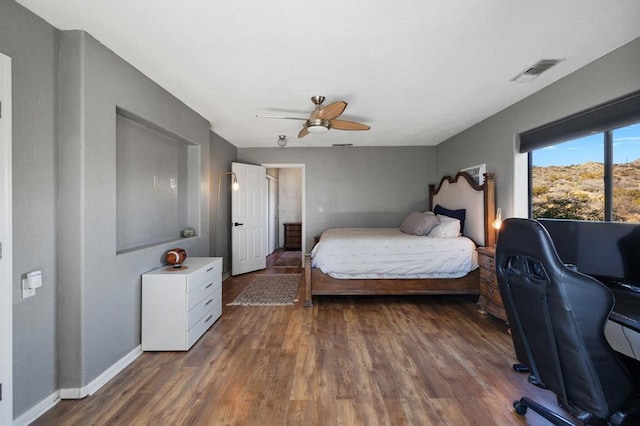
[[610, 115]]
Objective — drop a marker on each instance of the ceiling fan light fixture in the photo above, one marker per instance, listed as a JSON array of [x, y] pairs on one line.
[[317, 129], [318, 126]]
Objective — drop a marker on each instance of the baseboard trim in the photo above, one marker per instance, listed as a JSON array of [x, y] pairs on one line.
[[112, 371], [37, 410], [102, 379], [49, 402], [226, 275]]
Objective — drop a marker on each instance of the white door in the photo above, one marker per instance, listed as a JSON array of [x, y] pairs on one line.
[[6, 269], [249, 219]]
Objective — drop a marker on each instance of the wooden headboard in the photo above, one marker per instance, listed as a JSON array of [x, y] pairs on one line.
[[461, 192]]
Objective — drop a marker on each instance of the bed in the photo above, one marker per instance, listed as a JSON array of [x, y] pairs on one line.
[[364, 278]]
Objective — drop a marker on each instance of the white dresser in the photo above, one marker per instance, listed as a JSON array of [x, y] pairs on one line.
[[179, 305]]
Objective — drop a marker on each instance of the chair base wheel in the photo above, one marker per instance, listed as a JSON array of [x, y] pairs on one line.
[[525, 403], [520, 408], [520, 368]]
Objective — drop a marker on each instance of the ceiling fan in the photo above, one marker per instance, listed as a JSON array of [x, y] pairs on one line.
[[324, 118]]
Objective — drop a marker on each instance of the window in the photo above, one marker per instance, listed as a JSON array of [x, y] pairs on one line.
[[568, 180], [626, 174], [587, 166]]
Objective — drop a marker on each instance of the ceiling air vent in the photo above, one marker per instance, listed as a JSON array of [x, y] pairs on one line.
[[535, 70], [342, 144]]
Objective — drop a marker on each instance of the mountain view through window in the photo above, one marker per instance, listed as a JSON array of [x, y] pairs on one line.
[[569, 180]]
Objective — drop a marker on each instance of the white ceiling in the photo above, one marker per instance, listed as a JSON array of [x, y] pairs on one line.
[[416, 71]]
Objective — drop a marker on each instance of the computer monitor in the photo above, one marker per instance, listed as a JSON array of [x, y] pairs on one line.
[[607, 250]]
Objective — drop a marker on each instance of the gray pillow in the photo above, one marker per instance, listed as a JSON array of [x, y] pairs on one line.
[[419, 223]]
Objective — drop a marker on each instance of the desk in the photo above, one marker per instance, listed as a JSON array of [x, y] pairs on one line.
[[623, 328]]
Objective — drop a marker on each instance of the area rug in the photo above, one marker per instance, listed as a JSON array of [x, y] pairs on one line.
[[288, 259], [269, 290]]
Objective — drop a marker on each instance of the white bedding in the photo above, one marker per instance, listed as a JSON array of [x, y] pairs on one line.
[[389, 253]]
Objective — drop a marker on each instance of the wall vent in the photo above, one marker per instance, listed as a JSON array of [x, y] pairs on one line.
[[535, 70]]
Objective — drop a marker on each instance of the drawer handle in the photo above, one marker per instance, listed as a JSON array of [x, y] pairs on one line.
[[210, 269], [210, 300], [209, 285], [207, 320]]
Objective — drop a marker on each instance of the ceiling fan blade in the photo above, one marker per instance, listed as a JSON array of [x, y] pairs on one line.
[[280, 117], [348, 125], [332, 111], [303, 132]]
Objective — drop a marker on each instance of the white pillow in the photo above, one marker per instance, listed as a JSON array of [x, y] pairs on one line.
[[447, 228], [419, 223]]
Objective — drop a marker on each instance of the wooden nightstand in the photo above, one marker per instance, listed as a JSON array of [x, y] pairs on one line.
[[490, 300]]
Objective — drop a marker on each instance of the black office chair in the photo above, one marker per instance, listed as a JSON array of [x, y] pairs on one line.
[[557, 317]]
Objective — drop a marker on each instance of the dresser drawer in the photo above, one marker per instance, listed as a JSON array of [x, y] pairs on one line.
[[204, 276], [203, 325], [491, 292], [487, 263], [488, 275], [198, 294], [199, 311]]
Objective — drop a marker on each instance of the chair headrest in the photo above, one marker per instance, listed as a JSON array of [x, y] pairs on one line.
[[528, 237]]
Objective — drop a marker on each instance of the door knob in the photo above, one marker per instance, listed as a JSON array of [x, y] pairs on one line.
[[237, 224]]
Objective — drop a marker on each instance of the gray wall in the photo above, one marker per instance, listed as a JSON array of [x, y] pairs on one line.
[[492, 141], [222, 155], [95, 292], [373, 186], [99, 291], [32, 45]]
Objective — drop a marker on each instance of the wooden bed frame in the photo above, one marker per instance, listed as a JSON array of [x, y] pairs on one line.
[[319, 284]]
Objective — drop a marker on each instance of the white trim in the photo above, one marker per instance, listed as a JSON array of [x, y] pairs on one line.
[[38, 410], [6, 236], [304, 195], [74, 393], [520, 194], [49, 402], [102, 379]]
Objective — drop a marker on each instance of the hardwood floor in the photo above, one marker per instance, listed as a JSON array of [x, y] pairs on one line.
[[346, 361]]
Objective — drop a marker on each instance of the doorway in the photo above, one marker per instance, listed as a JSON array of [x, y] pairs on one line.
[[290, 203], [6, 248]]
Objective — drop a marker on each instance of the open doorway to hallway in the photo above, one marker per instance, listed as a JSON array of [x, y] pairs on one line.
[[286, 207]]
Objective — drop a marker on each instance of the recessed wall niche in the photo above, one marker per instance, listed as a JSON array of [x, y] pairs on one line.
[[157, 184]]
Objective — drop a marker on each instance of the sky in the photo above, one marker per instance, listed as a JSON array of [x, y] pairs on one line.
[[626, 148]]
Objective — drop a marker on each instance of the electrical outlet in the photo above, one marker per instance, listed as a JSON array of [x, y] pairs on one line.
[[27, 291]]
